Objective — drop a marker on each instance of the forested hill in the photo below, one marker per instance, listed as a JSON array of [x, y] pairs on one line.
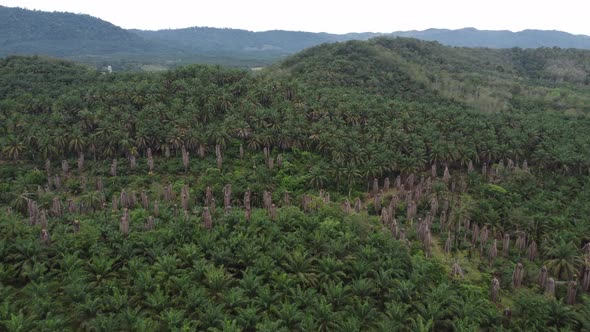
[[275, 43], [65, 34], [486, 79], [91, 40]]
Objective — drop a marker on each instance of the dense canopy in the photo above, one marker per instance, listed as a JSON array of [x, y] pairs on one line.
[[383, 185]]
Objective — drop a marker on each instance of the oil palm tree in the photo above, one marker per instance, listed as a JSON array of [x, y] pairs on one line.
[[301, 266], [563, 259]]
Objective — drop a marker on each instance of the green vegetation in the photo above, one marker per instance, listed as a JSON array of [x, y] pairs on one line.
[[391, 185], [90, 40]]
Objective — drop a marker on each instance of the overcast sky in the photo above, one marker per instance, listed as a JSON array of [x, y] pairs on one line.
[[331, 16]]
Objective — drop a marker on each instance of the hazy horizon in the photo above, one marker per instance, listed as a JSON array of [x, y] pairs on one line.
[[372, 16]]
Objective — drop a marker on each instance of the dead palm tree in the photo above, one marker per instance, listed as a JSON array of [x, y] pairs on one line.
[[56, 209], [132, 162], [495, 290], [65, 167], [493, 252], [456, 270], [114, 168], [267, 200], [377, 203], [185, 159], [57, 182], [542, 280], [208, 195], [517, 275], [448, 244], [48, 166], [550, 288], [375, 186], [80, 162], [520, 241], [124, 199], [45, 239], [306, 203], [207, 219], [156, 208], [446, 175], [506, 245], [572, 288], [227, 196], [145, 203], [586, 278], [150, 224], [474, 235], [532, 251], [357, 205], [124, 224], [150, 162]]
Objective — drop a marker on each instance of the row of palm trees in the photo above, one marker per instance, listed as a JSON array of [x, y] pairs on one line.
[[442, 202], [348, 130]]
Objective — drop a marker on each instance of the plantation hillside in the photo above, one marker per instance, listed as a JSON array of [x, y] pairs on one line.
[[385, 185]]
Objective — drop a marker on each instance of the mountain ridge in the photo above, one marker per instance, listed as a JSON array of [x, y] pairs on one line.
[[63, 34], [92, 40], [528, 38]]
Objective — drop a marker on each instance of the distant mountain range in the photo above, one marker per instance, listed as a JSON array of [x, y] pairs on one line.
[[233, 41], [89, 39], [471, 37]]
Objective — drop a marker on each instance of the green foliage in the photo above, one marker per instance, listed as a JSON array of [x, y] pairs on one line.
[[305, 264]]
